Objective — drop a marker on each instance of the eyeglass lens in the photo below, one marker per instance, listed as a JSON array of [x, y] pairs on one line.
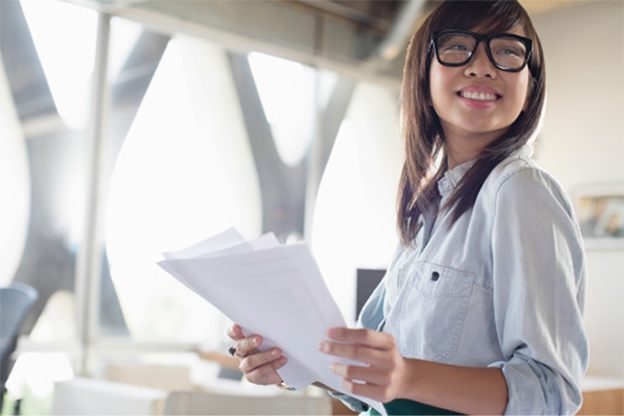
[[457, 48]]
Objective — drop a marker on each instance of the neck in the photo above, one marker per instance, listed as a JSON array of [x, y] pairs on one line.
[[456, 158], [460, 149]]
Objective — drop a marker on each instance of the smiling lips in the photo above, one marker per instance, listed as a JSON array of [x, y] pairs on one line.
[[479, 97]]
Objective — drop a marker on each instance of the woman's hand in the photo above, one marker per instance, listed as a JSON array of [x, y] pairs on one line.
[[259, 367], [384, 375]]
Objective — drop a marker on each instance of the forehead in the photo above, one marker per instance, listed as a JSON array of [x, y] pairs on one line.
[[516, 30]]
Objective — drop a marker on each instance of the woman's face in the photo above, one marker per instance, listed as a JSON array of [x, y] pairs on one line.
[[477, 100]]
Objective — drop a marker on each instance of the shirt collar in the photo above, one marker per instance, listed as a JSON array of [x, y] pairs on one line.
[[451, 178]]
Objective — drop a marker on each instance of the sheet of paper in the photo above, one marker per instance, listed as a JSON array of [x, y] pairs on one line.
[[215, 243], [276, 291]]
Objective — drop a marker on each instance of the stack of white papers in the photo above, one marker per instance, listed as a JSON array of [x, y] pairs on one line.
[[273, 290]]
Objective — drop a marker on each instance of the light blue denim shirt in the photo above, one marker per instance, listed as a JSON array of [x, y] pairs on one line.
[[502, 287]]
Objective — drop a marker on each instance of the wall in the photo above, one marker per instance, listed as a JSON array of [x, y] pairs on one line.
[[582, 142]]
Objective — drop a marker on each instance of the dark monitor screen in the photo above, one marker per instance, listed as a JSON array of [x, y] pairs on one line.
[[366, 281]]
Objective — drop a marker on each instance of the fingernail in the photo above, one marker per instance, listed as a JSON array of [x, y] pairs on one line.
[[275, 353], [255, 341], [324, 347]]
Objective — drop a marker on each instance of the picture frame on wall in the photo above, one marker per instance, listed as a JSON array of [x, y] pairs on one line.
[[600, 213]]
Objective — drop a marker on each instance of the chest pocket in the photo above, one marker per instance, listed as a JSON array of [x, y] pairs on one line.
[[429, 314]]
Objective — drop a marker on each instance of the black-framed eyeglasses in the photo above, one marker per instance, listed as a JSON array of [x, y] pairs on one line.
[[506, 51]]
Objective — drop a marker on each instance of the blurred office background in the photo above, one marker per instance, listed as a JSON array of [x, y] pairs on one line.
[[132, 127]]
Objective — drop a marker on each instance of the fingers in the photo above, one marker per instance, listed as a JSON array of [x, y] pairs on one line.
[[366, 390], [374, 339], [381, 379], [235, 332], [253, 361], [245, 346], [267, 374], [368, 374], [357, 352], [258, 367]]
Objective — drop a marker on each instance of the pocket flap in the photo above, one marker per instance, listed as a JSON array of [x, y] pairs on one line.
[[441, 281]]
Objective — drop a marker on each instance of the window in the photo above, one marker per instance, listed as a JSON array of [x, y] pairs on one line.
[[184, 172]]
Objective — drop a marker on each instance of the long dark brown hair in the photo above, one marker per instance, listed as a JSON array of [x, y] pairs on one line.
[[421, 128]]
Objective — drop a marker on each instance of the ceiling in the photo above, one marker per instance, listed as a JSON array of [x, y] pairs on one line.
[[362, 38]]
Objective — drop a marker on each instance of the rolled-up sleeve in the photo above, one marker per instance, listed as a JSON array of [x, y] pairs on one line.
[[538, 290]]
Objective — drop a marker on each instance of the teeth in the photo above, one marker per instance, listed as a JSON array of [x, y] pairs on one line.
[[480, 96]]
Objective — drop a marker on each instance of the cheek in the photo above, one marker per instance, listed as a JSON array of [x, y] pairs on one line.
[[527, 96], [520, 100], [434, 95], [516, 99], [437, 85]]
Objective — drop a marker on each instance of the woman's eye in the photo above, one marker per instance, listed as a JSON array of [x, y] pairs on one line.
[[509, 51], [456, 47]]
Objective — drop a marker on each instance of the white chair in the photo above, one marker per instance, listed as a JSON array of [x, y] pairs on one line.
[[204, 403], [86, 396], [159, 376]]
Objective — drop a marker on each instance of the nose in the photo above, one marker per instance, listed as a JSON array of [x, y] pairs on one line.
[[480, 65]]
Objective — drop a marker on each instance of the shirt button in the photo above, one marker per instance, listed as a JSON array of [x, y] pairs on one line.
[[435, 276]]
